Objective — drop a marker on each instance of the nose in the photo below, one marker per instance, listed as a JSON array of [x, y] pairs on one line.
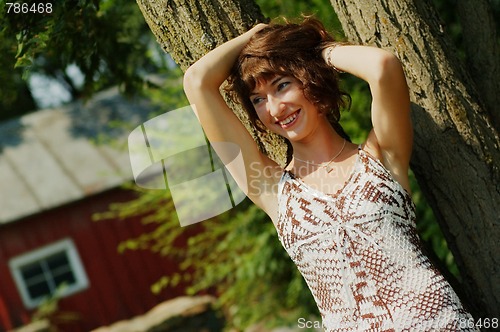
[[276, 106]]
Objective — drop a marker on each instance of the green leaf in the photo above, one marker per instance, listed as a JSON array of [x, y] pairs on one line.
[[22, 62]]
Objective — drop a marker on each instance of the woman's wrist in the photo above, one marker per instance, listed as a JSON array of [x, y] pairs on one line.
[[327, 54]]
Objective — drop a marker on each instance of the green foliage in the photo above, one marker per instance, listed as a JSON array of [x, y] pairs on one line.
[[14, 94], [356, 120], [322, 9], [107, 40], [99, 37], [170, 94]]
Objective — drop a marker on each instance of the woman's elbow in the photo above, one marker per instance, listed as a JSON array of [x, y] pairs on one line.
[[192, 78], [388, 66], [197, 77]]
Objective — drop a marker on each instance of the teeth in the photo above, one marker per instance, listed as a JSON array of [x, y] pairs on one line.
[[288, 120]]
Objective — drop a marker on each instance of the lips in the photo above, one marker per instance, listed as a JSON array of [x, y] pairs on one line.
[[289, 120]]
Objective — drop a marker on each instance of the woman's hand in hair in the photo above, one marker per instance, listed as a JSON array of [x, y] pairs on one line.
[[213, 68]]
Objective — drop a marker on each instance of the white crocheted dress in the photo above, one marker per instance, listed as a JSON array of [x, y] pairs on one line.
[[360, 255]]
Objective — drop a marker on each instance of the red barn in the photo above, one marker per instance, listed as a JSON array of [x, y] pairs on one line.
[[53, 179]]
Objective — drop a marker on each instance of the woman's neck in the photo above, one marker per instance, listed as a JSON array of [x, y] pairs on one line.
[[319, 147]]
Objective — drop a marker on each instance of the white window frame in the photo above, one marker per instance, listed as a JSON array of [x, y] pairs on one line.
[[65, 245]]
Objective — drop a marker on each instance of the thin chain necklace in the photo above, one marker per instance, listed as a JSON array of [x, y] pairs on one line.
[[325, 165]]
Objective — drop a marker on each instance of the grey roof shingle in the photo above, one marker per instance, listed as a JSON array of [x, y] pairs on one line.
[[50, 157]]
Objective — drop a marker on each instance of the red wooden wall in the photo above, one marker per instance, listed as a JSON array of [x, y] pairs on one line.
[[119, 284]]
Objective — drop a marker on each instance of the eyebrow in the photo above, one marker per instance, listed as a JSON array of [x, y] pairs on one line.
[[273, 82]]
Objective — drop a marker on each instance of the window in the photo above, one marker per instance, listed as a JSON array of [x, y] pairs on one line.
[[55, 269]]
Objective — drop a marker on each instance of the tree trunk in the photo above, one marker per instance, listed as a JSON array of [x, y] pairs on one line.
[[483, 52], [456, 151], [188, 29], [456, 148]]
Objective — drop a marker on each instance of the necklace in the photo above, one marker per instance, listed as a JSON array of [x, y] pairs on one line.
[[325, 165]]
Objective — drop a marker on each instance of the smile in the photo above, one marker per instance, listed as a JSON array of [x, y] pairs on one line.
[[288, 121]]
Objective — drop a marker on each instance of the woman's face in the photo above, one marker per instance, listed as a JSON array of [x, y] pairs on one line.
[[282, 107]]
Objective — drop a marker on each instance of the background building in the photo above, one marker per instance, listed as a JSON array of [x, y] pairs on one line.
[[54, 176]]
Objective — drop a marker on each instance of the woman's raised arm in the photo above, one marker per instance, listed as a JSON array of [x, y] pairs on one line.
[[202, 82], [392, 134], [214, 68]]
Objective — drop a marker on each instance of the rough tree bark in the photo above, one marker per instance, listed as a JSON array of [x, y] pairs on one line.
[[456, 148], [483, 52]]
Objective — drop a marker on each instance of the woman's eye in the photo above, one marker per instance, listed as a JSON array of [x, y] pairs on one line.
[[257, 100], [283, 85]]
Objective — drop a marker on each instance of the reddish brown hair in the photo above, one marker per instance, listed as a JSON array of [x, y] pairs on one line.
[[289, 50]]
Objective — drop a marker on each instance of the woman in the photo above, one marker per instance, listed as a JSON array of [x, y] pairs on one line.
[[342, 211]]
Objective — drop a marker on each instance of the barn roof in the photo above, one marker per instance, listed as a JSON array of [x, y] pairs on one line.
[[55, 156]]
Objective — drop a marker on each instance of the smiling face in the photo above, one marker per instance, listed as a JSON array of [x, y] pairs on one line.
[[283, 108], [289, 50]]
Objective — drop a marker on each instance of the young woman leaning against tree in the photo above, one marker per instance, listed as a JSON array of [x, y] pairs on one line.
[[342, 211]]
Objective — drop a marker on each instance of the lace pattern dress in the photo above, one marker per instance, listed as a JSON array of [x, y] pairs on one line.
[[359, 253]]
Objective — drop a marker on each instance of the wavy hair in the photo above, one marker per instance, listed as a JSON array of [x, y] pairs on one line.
[[289, 50]]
